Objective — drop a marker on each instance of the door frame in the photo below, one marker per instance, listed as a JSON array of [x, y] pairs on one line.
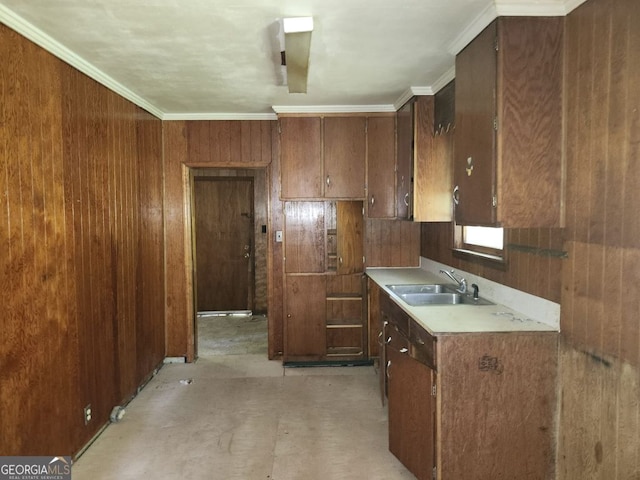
[[188, 178]]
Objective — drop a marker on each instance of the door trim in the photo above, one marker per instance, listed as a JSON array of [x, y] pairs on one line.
[[189, 244]]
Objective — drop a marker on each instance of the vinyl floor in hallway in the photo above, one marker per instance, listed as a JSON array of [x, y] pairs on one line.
[[241, 416]]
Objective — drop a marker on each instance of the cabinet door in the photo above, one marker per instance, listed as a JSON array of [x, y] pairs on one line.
[[381, 164], [344, 157], [432, 168], [404, 160], [475, 137], [304, 239], [411, 413], [305, 326], [375, 322], [350, 236], [529, 174], [301, 159]]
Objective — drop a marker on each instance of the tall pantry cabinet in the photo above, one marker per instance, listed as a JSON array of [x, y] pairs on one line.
[[323, 164]]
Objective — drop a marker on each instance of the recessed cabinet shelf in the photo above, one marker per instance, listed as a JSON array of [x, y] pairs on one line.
[[324, 252], [424, 170], [344, 352]]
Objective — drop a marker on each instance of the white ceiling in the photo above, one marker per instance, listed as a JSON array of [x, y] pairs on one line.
[[214, 59]]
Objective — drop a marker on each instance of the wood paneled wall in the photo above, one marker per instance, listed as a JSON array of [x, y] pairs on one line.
[[600, 356], [534, 258], [597, 283], [392, 243], [81, 234], [208, 144]]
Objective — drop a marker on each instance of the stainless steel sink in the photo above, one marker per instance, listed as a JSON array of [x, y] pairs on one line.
[[436, 294], [421, 288]]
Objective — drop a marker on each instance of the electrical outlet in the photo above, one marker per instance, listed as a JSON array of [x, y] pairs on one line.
[[87, 414]]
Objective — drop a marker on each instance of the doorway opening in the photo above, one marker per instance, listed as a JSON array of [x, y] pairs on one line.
[[229, 249]]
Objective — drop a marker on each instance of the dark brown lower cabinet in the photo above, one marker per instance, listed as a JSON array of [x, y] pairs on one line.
[[305, 332], [411, 413], [472, 406]]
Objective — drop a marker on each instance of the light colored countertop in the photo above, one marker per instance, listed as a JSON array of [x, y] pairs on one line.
[[452, 319]]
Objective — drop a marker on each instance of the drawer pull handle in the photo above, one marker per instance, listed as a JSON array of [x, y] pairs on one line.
[[404, 350], [388, 341]]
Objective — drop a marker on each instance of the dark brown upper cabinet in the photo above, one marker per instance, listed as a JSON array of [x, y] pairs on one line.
[[301, 157], [344, 157], [423, 171], [323, 157], [381, 167], [404, 161], [508, 161]]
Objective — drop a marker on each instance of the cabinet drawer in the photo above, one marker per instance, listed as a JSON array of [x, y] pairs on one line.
[[396, 339], [423, 345], [394, 315]]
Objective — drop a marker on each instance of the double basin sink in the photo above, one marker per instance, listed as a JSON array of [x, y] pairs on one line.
[[435, 294]]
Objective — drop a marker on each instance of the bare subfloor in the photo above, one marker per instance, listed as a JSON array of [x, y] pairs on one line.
[[241, 416]]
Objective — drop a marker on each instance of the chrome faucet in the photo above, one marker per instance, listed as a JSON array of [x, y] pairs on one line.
[[462, 283]]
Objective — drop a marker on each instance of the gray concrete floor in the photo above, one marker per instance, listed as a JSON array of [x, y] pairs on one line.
[[240, 416]]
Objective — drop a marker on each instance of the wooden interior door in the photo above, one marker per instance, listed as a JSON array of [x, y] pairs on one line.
[[224, 243]]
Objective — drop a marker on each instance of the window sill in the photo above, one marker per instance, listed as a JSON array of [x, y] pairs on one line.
[[493, 261]]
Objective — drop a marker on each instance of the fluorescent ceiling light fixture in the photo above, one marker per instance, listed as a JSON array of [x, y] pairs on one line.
[[297, 45], [297, 24]]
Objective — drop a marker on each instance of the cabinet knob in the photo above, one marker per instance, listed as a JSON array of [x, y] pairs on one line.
[[288, 315], [328, 181], [373, 200], [404, 350], [456, 195]]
